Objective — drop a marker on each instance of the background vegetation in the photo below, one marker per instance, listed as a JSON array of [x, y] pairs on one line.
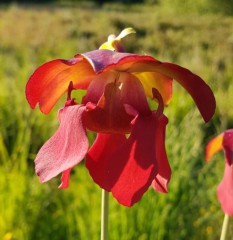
[[186, 34]]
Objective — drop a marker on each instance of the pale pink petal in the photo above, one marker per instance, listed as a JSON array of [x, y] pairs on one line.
[[225, 190], [66, 148]]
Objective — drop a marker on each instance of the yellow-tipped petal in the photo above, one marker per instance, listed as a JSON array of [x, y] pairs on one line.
[[125, 32], [113, 42], [214, 146]]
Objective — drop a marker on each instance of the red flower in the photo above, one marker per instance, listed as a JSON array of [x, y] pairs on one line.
[[115, 104], [225, 188]]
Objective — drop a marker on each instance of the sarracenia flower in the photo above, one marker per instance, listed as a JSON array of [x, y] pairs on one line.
[[224, 142], [117, 85]]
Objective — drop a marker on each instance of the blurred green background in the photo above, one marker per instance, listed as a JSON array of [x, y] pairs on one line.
[[195, 34]]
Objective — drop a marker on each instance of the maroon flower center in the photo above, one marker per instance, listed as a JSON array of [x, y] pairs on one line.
[[107, 113]]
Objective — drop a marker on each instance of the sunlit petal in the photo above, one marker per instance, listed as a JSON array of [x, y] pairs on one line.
[[213, 146], [49, 82]]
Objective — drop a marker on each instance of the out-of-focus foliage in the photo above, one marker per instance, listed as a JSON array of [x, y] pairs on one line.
[[31, 35], [217, 6]]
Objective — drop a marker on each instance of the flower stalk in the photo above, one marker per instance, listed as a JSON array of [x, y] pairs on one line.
[[224, 227], [104, 215]]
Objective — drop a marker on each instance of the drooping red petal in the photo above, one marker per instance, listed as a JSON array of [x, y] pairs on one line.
[[160, 183], [228, 145], [66, 148], [225, 190], [51, 80], [65, 179], [99, 155], [213, 146], [133, 166], [196, 87]]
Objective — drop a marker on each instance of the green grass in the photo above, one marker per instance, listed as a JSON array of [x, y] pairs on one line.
[[31, 35]]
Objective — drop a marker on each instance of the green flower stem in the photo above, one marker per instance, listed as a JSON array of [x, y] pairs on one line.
[[224, 227], [104, 215]]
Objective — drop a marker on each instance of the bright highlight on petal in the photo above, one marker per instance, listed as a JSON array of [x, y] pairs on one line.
[[51, 80], [156, 80]]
